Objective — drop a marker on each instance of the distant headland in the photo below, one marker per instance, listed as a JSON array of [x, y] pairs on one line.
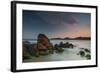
[[67, 38]]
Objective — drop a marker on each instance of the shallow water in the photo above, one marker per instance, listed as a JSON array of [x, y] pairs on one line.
[[68, 54]]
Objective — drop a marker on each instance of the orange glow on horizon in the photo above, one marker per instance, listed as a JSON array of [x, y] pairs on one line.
[[76, 31]]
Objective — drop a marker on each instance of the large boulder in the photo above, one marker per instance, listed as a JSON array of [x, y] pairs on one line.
[[43, 39], [43, 42], [40, 46]]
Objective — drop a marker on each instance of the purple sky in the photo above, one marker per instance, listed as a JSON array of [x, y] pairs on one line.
[[55, 24]]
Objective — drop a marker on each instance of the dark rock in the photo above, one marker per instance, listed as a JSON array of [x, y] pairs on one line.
[[82, 53], [26, 46], [88, 56], [87, 50], [66, 45], [26, 50]]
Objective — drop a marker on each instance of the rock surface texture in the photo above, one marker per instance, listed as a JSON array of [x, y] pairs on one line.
[[43, 42]]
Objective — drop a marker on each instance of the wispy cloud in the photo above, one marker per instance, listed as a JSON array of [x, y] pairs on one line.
[[55, 24]]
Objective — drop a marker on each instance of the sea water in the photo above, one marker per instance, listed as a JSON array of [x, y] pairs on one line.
[[68, 54]]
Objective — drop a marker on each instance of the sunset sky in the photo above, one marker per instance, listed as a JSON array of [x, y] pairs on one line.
[[55, 24]]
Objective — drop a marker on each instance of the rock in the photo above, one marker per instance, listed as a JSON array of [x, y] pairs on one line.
[[66, 45], [43, 42], [40, 46], [26, 44], [88, 56], [26, 50], [49, 46], [43, 39], [34, 46], [82, 53], [87, 50]]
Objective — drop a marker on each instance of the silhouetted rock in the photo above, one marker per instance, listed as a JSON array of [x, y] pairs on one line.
[[87, 50], [83, 38], [66, 45], [88, 56], [82, 53]]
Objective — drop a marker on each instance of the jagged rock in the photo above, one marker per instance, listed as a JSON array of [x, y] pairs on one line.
[[40, 46], [43, 39], [43, 42], [64, 45]]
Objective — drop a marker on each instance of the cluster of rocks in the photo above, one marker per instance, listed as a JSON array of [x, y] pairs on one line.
[[60, 47], [65, 45], [43, 47], [84, 52]]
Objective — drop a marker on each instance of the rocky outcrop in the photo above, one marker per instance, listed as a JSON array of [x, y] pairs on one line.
[[26, 50], [40, 46], [43, 39], [43, 42], [43, 47], [64, 45]]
